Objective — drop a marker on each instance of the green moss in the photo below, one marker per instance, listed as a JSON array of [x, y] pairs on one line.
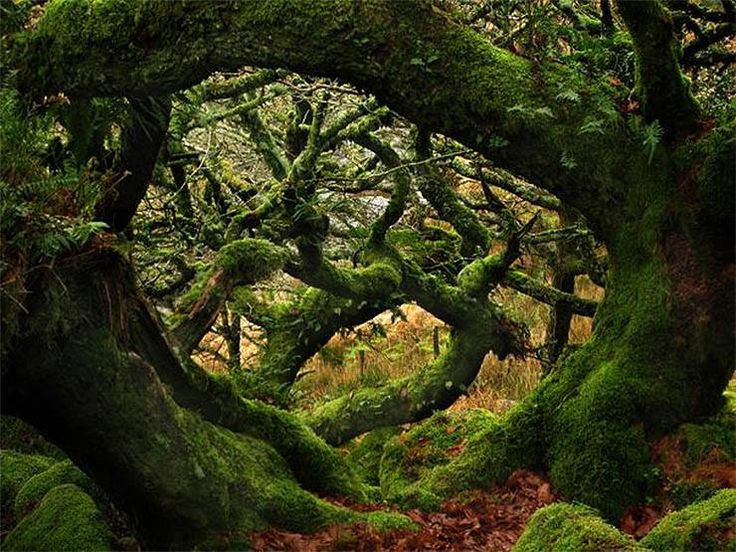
[[620, 389], [15, 470], [408, 458], [598, 456], [33, 491], [706, 525], [477, 277], [432, 247], [253, 259], [17, 435], [365, 456], [252, 485], [701, 439], [490, 455], [66, 519], [571, 527], [316, 465]]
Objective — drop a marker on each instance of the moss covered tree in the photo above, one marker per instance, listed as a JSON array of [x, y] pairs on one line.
[[192, 461]]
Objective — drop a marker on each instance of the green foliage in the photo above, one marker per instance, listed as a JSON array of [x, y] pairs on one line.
[[561, 527], [706, 525], [41, 214], [650, 136]]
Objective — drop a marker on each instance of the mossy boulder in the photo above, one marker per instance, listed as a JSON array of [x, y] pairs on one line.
[[365, 455], [66, 519], [34, 490], [409, 457], [15, 469], [706, 525], [576, 527]]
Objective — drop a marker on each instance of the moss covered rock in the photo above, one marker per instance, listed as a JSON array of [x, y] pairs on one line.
[[15, 469], [576, 527], [34, 490], [66, 519], [706, 525]]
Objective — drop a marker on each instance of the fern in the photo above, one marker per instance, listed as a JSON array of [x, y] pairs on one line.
[[593, 126], [651, 138], [568, 161], [569, 96]]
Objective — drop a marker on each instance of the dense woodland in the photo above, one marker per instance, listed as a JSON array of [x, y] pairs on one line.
[[367, 275]]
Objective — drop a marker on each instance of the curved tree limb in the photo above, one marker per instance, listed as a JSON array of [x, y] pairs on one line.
[[546, 294], [478, 92], [142, 139]]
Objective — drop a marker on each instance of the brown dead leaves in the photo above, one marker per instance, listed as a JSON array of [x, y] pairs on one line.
[[482, 520]]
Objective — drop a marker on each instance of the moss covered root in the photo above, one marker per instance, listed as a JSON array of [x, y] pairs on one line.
[[576, 527], [66, 519], [17, 435], [408, 458], [495, 449], [35, 489], [706, 525], [365, 455], [15, 470]]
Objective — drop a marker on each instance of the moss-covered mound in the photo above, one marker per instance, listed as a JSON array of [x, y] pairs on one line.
[[66, 519], [33, 491], [701, 440], [365, 455], [576, 527], [15, 469], [706, 525], [408, 457], [697, 460]]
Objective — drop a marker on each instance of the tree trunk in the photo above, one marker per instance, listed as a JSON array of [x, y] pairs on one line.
[[80, 370], [661, 354]]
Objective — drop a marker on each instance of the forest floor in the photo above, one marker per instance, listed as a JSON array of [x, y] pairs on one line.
[[481, 520], [394, 345]]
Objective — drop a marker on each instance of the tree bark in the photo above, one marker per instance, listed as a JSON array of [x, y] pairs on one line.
[[106, 388]]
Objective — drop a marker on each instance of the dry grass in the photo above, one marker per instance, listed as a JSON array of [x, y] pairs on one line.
[[388, 347], [407, 347]]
